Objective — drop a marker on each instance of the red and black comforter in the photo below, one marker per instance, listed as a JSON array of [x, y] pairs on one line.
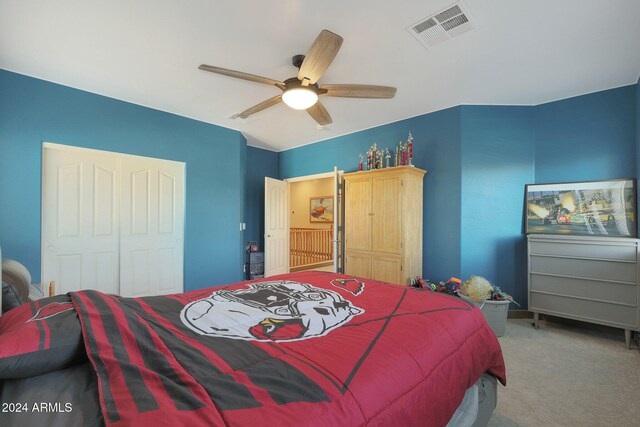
[[300, 349]]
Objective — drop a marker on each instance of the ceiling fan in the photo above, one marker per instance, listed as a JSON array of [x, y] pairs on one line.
[[302, 92]]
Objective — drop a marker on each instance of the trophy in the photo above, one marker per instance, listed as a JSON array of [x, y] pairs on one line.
[[410, 148], [361, 159], [374, 156], [388, 157]]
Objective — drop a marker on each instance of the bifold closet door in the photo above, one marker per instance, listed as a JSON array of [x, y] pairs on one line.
[[112, 222], [80, 218], [152, 227]]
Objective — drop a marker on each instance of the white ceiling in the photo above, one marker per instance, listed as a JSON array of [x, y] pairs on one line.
[[147, 52]]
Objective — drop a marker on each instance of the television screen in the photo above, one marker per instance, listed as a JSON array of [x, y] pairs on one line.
[[600, 208]]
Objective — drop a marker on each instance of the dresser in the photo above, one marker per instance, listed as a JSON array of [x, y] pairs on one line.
[[593, 279], [383, 224]]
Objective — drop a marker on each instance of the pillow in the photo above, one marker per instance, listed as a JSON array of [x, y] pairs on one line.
[[40, 337], [17, 275], [10, 297]]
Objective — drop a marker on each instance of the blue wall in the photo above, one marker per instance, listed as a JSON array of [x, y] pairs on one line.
[[479, 158], [497, 161], [589, 137], [436, 149], [260, 164], [33, 111]]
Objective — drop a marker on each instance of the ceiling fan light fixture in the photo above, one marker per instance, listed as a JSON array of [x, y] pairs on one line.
[[300, 98]]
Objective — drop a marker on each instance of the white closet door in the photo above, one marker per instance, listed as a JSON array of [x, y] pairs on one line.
[[152, 227], [80, 235], [337, 209]]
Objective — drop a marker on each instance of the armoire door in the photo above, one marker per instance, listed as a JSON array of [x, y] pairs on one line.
[[152, 231], [80, 220], [387, 269], [386, 223], [358, 214], [358, 264]]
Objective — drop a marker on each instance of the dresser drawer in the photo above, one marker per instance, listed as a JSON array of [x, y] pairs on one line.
[[594, 269], [584, 250], [597, 311], [593, 289]]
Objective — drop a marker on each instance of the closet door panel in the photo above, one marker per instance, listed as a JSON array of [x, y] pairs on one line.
[[107, 272], [140, 200], [138, 240], [105, 215], [69, 207], [170, 227], [152, 227], [80, 220]]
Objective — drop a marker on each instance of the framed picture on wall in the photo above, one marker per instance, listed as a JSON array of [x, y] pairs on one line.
[[321, 209], [598, 208]]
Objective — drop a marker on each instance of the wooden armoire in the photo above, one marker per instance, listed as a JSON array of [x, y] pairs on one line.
[[383, 224]]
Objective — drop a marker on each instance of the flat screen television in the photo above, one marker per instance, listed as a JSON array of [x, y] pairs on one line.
[[598, 208]]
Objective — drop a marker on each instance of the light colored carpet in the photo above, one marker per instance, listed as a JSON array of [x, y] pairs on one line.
[[566, 375]]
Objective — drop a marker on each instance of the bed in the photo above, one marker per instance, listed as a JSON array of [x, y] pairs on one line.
[[309, 348]]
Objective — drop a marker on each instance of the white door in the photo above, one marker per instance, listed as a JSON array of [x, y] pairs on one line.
[[111, 222], [80, 213], [337, 178], [276, 227], [152, 232]]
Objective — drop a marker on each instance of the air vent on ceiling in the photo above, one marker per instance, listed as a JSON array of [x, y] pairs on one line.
[[442, 26]]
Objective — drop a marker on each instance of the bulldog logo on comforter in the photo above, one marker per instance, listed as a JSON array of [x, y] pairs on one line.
[[269, 311]]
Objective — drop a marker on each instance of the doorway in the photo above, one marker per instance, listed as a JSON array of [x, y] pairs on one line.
[[307, 211], [312, 211]]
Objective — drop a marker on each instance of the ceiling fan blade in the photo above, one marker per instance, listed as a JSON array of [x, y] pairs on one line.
[[359, 91], [319, 56], [241, 75], [259, 107], [319, 114]]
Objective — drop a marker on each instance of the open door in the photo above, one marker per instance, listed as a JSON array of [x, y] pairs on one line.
[[276, 227], [337, 221]]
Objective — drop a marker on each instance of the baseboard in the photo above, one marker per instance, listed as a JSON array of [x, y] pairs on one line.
[[580, 324], [526, 314], [519, 314]]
